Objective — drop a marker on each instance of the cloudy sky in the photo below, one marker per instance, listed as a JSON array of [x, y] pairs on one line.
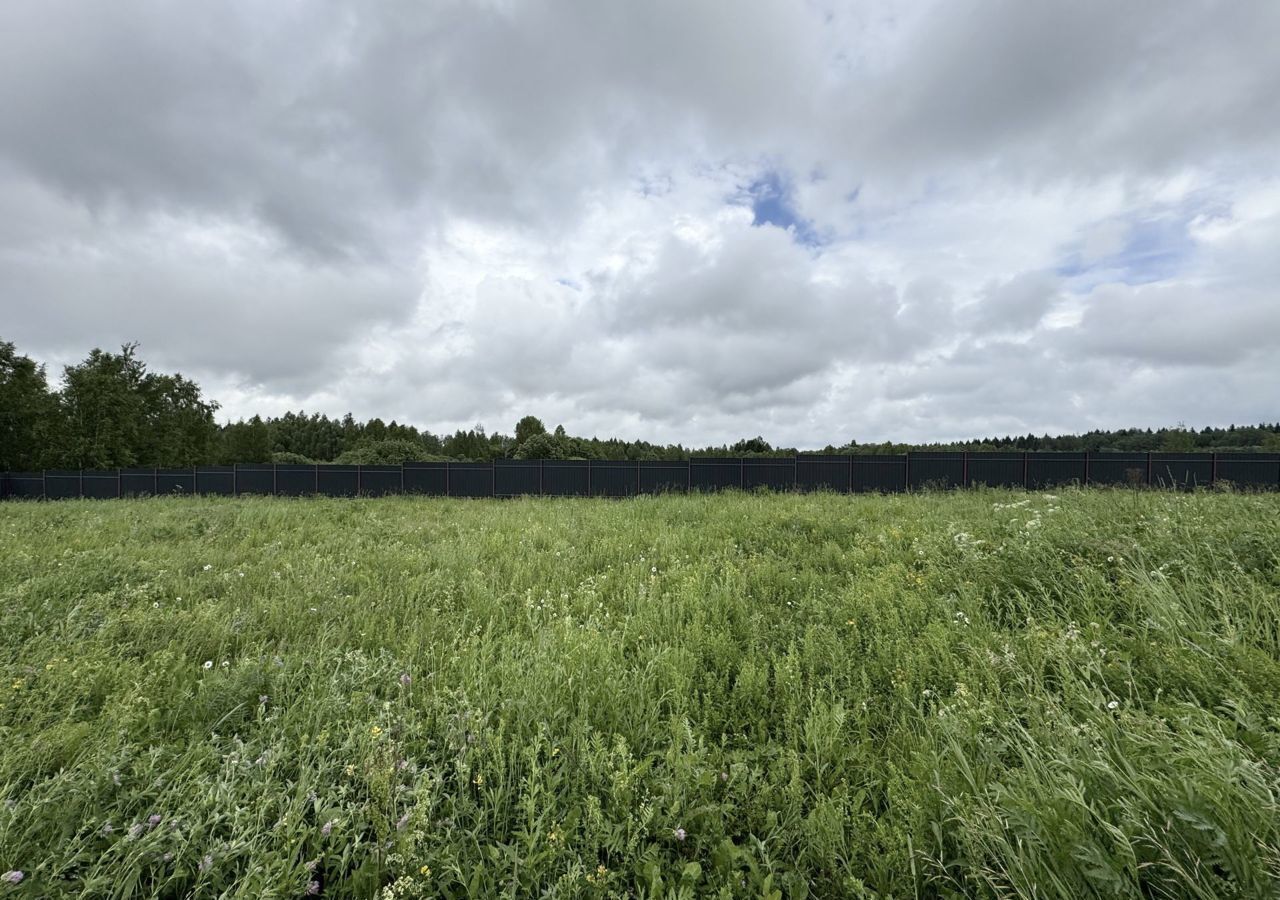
[[678, 220]]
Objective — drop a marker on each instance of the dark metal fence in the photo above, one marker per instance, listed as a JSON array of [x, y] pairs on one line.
[[614, 478]]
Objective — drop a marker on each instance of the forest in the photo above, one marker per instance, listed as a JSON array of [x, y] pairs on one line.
[[111, 410]]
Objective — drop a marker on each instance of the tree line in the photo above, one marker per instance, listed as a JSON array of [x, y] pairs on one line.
[[111, 411]]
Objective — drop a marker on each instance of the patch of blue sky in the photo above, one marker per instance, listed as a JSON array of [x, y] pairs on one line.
[[1154, 249], [772, 201]]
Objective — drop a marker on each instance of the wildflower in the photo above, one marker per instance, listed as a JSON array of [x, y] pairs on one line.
[[135, 831], [115, 778], [375, 731], [405, 679], [262, 699], [601, 871], [13, 876], [1114, 704], [208, 664], [313, 888], [478, 781], [225, 664], [653, 570], [424, 871], [106, 828], [153, 820], [166, 857], [310, 865], [680, 834], [206, 862], [207, 567], [349, 770], [555, 751], [724, 776], [156, 605], [327, 828]]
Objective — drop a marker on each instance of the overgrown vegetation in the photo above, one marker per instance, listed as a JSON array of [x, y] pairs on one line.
[[981, 694]]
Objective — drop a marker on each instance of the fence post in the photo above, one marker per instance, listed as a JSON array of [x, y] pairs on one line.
[[359, 480], [964, 470], [235, 479], [637, 477], [401, 477], [1026, 480], [742, 472], [1148, 468], [275, 490], [1086, 467], [493, 478], [119, 487], [446, 478], [44, 485], [589, 478], [315, 478], [542, 465], [1213, 477], [155, 482], [850, 473], [906, 483], [795, 472]]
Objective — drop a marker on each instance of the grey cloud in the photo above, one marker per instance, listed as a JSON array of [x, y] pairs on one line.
[[265, 194]]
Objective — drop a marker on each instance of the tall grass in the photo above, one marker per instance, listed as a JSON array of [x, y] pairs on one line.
[[978, 694]]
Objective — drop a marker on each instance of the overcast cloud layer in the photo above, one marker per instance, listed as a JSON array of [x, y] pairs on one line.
[[679, 221]]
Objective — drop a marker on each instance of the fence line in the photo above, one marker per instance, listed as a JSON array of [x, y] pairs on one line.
[[624, 478]]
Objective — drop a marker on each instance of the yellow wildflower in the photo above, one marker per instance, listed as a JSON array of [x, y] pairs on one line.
[[424, 871], [375, 731]]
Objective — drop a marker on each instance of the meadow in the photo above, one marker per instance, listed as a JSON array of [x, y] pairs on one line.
[[977, 694]]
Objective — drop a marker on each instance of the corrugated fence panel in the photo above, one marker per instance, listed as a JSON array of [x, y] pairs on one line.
[[217, 480], [137, 482], [255, 478], [878, 472], [709, 473], [176, 481], [936, 470], [625, 478], [517, 477], [773, 473], [380, 481], [29, 485], [101, 484], [823, 473], [660, 476], [338, 480], [1249, 469], [614, 478], [426, 478], [1045, 470], [1181, 470], [296, 480], [470, 480], [994, 469], [62, 484], [565, 478], [1118, 468]]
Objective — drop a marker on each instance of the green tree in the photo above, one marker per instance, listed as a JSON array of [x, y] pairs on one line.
[[543, 446], [527, 428], [246, 442], [29, 415], [104, 410]]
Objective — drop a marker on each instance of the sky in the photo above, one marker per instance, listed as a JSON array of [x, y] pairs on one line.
[[678, 221]]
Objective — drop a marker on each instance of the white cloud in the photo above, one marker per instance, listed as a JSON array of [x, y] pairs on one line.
[[1030, 216]]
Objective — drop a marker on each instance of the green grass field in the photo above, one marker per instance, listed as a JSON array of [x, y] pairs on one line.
[[979, 694]]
